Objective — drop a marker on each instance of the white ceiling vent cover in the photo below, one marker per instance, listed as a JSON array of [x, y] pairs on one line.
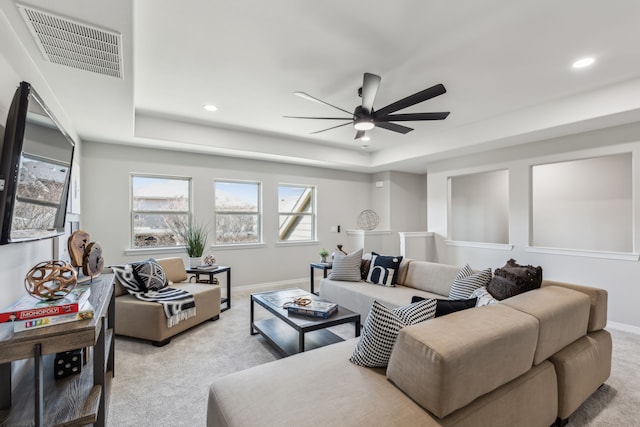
[[75, 44]]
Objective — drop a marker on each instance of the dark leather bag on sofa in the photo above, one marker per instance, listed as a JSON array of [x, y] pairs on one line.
[[513, 279]]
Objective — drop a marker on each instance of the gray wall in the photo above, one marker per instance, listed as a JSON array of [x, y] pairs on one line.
[[616, 272], [106, 168]]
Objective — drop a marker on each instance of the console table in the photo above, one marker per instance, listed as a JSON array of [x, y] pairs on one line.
[[324, 266], [77, 400], [210, 273]]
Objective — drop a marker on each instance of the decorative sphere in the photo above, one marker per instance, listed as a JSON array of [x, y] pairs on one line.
[[51, 280], [368, 220]]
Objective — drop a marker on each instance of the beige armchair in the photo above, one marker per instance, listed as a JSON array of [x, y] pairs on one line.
[[146, 320]]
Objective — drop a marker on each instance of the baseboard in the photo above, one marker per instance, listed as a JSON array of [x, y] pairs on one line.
[[623, 327], [293, 283]]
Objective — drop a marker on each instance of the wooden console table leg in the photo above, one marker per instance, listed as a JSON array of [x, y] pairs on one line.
[[5, 389], [39, 386]]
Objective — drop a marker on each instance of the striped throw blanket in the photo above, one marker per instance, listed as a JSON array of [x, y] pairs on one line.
[[147, 282]]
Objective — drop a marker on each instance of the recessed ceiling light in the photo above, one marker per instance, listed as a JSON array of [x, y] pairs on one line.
[[584, 62], [210, 107], [365, 138]]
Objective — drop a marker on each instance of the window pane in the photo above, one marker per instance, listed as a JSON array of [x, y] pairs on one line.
[[236, 196], [160, 194], [236, 229], [158, 229], [296, 227], [295, 199], [41, 180], [32, 216]]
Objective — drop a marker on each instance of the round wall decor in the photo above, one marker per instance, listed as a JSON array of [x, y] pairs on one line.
[[368, 219]]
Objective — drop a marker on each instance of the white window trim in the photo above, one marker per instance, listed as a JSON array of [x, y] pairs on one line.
[[259, 214], [313, 214]]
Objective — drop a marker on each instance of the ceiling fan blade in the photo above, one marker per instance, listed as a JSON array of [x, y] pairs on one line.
[[394, 127], [413, 116], [320, 118], [359, 134], [311, 98], [370, 84], [333, 127], [410, 100]]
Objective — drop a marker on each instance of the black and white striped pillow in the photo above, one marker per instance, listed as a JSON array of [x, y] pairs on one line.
[[346, 267], [467, 281], [381, 328]]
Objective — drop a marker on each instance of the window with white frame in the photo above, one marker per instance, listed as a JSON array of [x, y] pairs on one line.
[[296, 213], [237, 212], [160, 210]]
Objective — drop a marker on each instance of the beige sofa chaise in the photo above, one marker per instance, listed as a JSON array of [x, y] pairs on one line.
[[530, 360], [147, 320]]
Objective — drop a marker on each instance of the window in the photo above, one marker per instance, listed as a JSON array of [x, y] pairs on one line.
[[584, 204], [160, 210], [479, 207], [296, 211], [237, 212]]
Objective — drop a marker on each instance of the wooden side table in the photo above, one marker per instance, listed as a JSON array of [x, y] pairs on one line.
[[197, 272], [324, 266]]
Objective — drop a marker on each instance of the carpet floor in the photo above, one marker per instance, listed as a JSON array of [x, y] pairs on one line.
[[168, 386]]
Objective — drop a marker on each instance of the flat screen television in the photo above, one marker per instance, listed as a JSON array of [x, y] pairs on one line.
[[35, 170]]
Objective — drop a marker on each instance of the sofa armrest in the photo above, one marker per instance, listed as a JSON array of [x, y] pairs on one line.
[[598, 300]]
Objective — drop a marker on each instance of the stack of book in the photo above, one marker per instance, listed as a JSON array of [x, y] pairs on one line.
[[31, 313], [315, 308]]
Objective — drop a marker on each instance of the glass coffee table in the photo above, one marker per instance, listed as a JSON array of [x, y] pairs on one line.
[[291, 333]]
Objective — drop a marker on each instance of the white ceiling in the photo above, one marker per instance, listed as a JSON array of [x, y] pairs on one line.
[[506, 65]]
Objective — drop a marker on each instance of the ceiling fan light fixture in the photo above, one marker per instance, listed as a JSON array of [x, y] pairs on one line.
[[363, 124]]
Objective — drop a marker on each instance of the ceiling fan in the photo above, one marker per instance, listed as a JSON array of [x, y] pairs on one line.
[[364, 117]]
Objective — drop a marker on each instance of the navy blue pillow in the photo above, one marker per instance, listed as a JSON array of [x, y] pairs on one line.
[[445, 306], [384, 269]]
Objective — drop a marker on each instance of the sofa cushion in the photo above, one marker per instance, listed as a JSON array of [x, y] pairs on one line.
[[446, 363], [429, 276], [174, 269], [346, 267], [381, 329], [445, 306], [598, 303], [562, 314], [383, 269], [467, 281], [590, 354]]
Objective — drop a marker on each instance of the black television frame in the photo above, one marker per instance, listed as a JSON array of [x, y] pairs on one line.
[[12, 151]]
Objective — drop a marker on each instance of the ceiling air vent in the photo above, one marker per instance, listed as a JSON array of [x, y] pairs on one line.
[[74, 44]]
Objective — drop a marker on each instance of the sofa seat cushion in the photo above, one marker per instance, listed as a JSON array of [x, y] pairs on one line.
[[563, 315], [446, 363], [359, 296], [147, 320], [581, 367], [350, 395]]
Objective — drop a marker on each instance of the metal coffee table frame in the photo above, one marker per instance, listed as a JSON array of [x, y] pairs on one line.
[[289, 333]]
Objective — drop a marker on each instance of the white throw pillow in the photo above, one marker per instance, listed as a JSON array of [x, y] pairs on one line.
[[381, 328], [346, 267]]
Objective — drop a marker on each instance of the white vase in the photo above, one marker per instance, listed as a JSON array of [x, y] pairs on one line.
[[195, 261]]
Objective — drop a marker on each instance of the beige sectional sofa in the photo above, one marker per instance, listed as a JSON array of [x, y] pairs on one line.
[[147, 320], [530, 360]]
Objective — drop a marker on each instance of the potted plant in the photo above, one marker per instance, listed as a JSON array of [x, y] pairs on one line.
[[195, 238], [323, 255]]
